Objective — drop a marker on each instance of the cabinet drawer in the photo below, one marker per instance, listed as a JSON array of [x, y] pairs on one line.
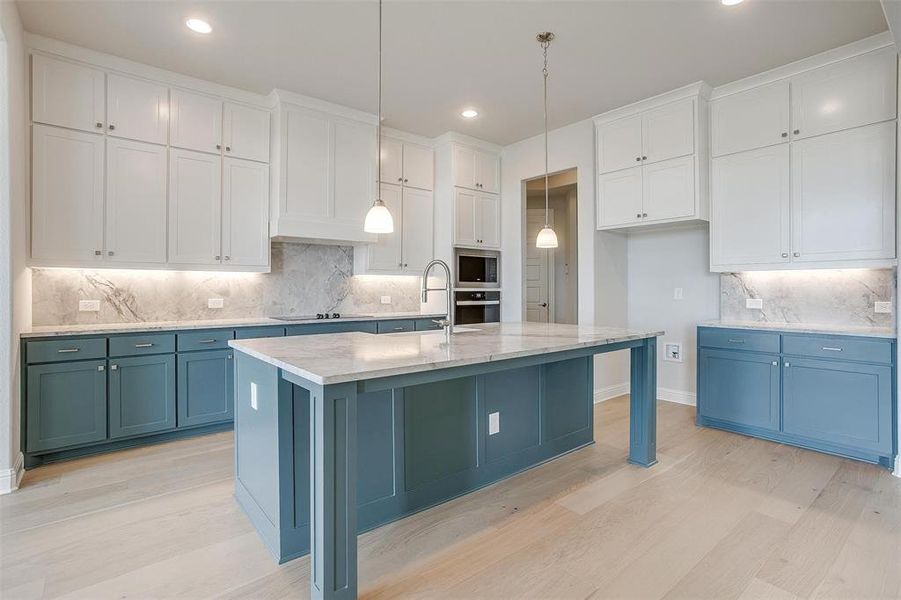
[[247, 333], [205, 340], [65, 349], [136, 345], [396, 326], [426, 324], [838, 348], [755, 341], [314, 328]]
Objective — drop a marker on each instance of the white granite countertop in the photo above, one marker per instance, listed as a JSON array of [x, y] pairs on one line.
[[109, 328], [341, 357], [880, 332]]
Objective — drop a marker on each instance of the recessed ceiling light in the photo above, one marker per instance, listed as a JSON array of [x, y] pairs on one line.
[[469, 114], [198, 25], [730, 2]]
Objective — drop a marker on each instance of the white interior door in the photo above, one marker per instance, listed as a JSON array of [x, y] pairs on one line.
[[539, 270], [67, 94], [419, 167], [135, 202], [385, 254], [392, 161], [137, 109], [245, 213], [668, 132], [195, 208], [756, 118], [195, 121], [619, 197], [465, 218], [619, 144], [418, 210], [245, 132]]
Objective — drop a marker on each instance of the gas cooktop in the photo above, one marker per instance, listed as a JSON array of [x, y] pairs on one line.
[[319, 316]]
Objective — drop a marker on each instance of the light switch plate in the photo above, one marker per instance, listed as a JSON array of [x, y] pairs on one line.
[[754, 303], [677, 294], [494, 423], [883, 307], [89, 306], [215, 303], [386, 299]]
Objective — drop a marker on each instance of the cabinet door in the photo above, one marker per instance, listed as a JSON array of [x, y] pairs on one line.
[[488, 172], [65, 404], [839, 402], [245, 132], [417, 229], [135, 202], [619, 144], [465, 233], [354, 170], [67, 196], [205, 387], [137, 109], [195, 181], [488, 220], [858, 91], [419, 167], [67, 94], [141, 395], [668, 189], [386, 253], [464, 167], [392, 161], [619, 198], [756, 118], [668, 132], [195, 121], [750, 208], [245, 213], [307, 165], [843, 195], [741, 388]]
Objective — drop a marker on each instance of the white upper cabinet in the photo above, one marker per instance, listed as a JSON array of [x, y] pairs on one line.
[[195, 208], [306, 166], [195, 121], [245, 213], [417, 229], [668, 189], [843, 195], [668, 132], [465, 218], [392, 161], [477, 219], [619, 198], [67, 197], [488, 220], [464, 161], [135, 202], [137, 109], [245, 132], [750, 209], [853, 92], [476, 169], [67, 94], [354, 170], [619, 144], [386, 253], [751, 119], [419, 166], [488, 168]]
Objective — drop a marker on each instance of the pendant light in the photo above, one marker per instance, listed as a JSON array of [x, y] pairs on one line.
[[546, 237], [378, 219]]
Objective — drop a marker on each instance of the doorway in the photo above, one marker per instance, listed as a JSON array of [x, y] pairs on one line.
[[550, 275]]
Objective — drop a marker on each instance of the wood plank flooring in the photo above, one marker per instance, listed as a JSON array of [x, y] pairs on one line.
[[721, 516]]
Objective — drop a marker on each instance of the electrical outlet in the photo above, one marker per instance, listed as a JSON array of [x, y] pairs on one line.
[[673, 352], [754, 303], [215, 303], [253, 396], [883, 307], [494, 423], [88, 305], [386, 299], [677, 294]]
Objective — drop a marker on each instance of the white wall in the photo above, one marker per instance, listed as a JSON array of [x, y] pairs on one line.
[[602, 267], [15, 278], [659, 262]]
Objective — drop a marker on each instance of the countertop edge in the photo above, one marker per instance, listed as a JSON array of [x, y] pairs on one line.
[[855, 331]]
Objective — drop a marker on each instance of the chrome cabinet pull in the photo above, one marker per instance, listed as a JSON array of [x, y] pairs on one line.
[[228, 148], [209, 341], [637, 159], [97, 252], [398, 329], [218, 146], [784, 134], [228, 356], [796, 254], [101, 368], [797, 131], [67, 350], [114, 367], [644, 215], [146, 345], [785, 255], [787, 364], [775, 363], [112, 127], [831, 349], [732, 341], [217, 257], [111, 253], [644, 158]]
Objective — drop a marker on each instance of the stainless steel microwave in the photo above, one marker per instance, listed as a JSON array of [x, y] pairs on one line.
[[478, 269]]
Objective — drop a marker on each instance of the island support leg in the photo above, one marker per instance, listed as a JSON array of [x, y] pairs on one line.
[[643, 404], [333, 491]]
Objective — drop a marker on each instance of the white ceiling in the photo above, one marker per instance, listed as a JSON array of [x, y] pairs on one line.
[[442, 56]]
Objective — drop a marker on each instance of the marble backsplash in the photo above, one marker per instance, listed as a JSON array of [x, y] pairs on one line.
[[305, 279], [824, 297]]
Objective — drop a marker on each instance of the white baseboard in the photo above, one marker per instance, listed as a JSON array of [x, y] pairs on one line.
[[11, 478], [897, 471], [667, 394]]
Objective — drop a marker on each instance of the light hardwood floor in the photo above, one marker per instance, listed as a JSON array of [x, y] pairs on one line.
[[721, 516]]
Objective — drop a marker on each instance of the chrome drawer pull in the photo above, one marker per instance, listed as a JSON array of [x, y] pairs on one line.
[[67, 350], [830, 349], [147, 345], [209, 341], [736, 341], [398, 329]]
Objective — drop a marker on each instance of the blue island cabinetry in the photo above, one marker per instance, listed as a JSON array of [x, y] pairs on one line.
[[832, 393], [85, 394]]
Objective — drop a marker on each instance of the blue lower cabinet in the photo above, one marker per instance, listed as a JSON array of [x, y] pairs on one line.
[[342, 327], [205, 387], [845, 404], [739, 387], [396, 326], [65, 404], [426, 324], [141, 395], [247, 333]]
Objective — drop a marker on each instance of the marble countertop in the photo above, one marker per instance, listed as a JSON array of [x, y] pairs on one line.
[[880, 332], [108, 328], [341, 357]]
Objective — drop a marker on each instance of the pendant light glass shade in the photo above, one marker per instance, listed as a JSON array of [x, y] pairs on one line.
[[546, 238], [379, 219]]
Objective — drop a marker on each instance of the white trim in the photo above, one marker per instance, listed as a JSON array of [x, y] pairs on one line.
[[897, 471], [404, 136], [11, 478], [279, 96], [665, 394], [454, 137], [870, 44], [611, 391], [692, 90]]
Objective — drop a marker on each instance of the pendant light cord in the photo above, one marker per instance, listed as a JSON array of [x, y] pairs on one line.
[[544, 46], [379, 124]]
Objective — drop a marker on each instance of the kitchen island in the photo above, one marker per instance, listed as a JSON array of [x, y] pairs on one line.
[[340, 433]]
